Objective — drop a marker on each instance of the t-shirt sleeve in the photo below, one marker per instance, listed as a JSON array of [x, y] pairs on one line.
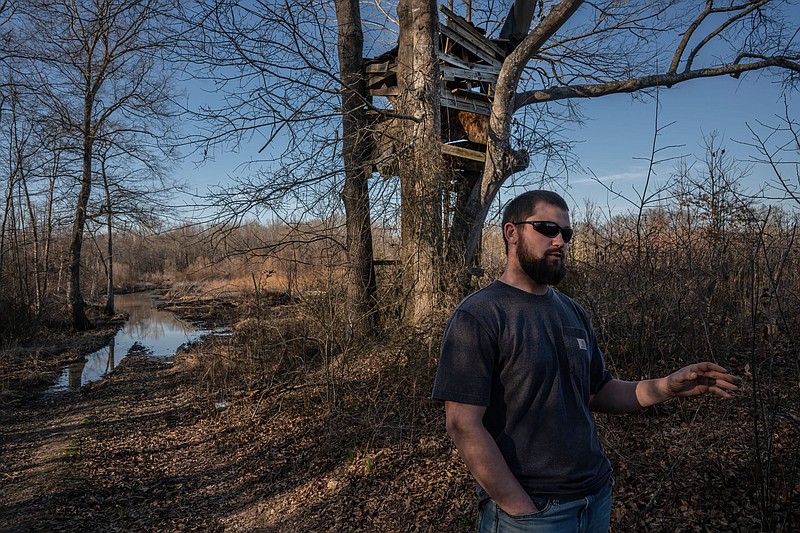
[[599, 374], [467, 358]]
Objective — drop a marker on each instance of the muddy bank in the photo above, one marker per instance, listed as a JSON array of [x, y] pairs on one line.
[[30, 365], [82, 462]]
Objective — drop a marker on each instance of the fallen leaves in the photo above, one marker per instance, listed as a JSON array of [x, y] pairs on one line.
[[366, 451]]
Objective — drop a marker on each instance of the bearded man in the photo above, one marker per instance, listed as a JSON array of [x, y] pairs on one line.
[[520, 373]]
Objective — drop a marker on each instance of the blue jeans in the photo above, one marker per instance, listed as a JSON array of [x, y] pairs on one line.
[[591, 514]]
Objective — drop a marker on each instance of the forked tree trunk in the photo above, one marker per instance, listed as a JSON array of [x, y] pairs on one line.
[[501, 159]]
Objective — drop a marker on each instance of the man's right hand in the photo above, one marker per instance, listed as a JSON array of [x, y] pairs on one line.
[[523, 510], [484, 460]]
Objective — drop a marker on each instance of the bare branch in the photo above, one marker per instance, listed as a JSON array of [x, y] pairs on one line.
[[648, 82]]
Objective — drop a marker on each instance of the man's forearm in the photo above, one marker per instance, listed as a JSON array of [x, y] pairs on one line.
[[484, 460], [619, 396]]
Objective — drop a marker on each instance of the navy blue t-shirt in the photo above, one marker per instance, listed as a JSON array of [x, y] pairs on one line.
[[533, 362]]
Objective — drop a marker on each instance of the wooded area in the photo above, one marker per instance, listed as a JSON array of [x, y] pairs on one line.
[[389, 130], [425, 125]]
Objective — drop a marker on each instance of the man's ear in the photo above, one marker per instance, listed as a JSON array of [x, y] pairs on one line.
[[510, 231]]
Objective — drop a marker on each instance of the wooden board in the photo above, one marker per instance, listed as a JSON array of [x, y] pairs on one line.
[[376, 68], [470, 45], [469, 31], [451, 73], [464, 153], [384, 91], [464, 103]]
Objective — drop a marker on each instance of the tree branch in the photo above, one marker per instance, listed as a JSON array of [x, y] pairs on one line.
[[647, 82]]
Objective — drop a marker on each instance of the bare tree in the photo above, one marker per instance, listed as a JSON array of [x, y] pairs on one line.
[[134, 187], [357, 149], [97, 60], [273, 64], [420, 161], [276, 65]]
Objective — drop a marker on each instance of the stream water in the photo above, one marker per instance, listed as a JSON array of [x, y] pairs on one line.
[[148, 330]]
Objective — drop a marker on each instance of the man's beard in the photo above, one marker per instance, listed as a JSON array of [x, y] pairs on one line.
[[544, 270]]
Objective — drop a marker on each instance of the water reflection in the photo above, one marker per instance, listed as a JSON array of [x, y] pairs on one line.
[[148, 330]]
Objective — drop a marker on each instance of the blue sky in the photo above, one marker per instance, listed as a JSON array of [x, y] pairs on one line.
[[616, 139], [618, 136]]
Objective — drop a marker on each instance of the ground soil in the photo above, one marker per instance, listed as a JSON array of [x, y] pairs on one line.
[[346, 443]]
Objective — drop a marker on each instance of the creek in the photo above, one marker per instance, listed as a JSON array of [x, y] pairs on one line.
[[148, 330]]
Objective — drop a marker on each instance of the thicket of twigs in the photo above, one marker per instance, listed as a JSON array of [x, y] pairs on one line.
[[708, 275]]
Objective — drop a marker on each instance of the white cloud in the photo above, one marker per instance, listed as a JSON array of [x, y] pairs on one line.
[[624, 177]]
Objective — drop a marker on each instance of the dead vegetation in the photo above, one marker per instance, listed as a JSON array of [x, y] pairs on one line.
[[297, 438], [285, 423]]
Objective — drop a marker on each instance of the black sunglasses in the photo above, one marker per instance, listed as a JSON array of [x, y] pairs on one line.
[[549, 229]]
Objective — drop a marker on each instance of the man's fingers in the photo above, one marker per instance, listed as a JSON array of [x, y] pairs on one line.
[[724, 379], [719, 392], [719, 384]]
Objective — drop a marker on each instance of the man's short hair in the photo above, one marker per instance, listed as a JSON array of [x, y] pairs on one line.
[[526, 203]]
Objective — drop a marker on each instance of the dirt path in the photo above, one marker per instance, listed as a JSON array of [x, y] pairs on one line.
[[150, 449], [39, 450], [134, 452]]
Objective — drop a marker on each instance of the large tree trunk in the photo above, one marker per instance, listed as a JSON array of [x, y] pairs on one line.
[[458, 235], [420, 162], [75, 303], [357, 148]]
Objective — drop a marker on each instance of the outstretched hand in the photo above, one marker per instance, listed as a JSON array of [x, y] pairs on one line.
[[700, 378]]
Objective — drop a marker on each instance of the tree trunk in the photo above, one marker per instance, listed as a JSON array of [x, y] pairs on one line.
[[7, 209], [458, 235], [48, 229], [38, 269], [501, 159], [420, 162], [109, 307], [357, 148], [75, 303]]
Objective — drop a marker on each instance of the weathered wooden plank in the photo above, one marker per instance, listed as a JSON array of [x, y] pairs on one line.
[[451, 73], [384, 91], [466, 27], [471, 95], [464, 153], [376, 68], [469, 45], [376, 81], [464, 103], [478, 67], [453, 60]]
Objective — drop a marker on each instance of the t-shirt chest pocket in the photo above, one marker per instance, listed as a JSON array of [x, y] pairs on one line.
[[576, 342]]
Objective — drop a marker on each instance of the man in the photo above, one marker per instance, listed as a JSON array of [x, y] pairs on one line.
[[520, 372]]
